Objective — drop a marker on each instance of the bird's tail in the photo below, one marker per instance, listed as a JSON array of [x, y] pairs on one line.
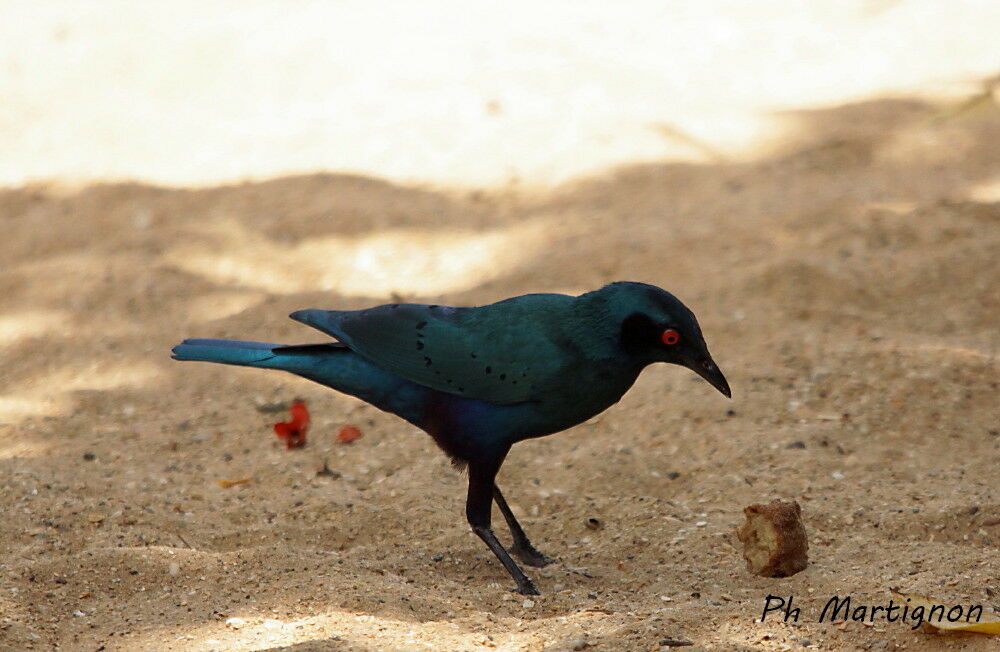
[[331, 364], [302, 359], [247, 354]]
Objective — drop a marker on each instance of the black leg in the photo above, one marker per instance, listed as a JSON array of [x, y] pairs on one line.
[[522, 547], [478, 508]]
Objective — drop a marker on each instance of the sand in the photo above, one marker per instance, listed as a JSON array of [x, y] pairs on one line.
[[846, 283], [195, 93]]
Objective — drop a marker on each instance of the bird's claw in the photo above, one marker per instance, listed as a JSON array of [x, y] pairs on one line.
[[526, 588], [531, 557]]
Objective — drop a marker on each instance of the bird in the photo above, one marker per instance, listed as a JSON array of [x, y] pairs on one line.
[[480, 379]]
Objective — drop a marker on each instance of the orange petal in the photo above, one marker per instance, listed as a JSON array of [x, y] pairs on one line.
[[348, 434]]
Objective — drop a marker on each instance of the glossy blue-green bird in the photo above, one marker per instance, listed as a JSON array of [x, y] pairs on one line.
[[480, 379]]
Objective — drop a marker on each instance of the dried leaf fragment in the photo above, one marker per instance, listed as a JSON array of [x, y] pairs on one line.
[[225, 484]]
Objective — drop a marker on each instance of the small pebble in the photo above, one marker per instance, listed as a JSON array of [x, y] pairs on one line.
[[528, 604]]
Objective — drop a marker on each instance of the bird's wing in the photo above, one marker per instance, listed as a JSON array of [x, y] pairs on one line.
[[495, 353]]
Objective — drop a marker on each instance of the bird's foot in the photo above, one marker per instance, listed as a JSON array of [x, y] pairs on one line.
[[527, 587], [530, 556]]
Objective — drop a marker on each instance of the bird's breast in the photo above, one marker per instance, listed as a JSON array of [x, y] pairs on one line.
[[579, 395], [465, 427]]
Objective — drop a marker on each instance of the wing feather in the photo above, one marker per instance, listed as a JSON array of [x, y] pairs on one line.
[[496, 353]]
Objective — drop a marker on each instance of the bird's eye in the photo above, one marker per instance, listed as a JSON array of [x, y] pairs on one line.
[[670, 337]]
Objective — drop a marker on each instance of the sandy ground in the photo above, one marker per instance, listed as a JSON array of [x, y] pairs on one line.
[[846, 284], [843, 260]]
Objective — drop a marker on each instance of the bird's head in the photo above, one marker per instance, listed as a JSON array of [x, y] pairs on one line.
[[654, 326]]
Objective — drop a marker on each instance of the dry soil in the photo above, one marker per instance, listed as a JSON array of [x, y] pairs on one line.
[[846, 282]]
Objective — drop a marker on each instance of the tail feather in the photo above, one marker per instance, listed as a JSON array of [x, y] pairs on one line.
[[310, 349], [249, 354], [331, 364]]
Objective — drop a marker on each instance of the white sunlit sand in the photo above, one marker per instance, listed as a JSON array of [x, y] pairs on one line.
[[447, 92]]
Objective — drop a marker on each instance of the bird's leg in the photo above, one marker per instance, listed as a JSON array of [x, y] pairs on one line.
[[522, 546], [478, 508]]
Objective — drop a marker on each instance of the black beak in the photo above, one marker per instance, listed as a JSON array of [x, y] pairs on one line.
[[707, 369]]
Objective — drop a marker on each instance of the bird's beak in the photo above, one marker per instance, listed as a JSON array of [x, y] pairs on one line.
[[707, 369]]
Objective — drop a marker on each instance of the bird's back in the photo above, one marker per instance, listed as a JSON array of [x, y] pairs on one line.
[[499, 353]]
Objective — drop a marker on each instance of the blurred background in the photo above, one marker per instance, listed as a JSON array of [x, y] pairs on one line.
[[443, 92], [819, 181]]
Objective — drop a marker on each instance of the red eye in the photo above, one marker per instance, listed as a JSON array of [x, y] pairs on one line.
[[670, 337]]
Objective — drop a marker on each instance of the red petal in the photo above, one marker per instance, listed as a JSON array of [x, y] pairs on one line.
[[348, 434], [294, 432], [300, 415], [283, 430]]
